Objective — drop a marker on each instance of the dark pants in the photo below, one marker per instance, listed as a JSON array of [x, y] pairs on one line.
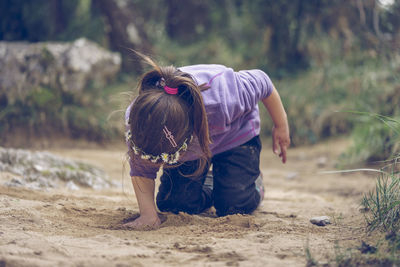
[[234, 174]]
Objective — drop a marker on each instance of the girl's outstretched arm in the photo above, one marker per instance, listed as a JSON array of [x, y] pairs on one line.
[[280, 132], [144, 190]]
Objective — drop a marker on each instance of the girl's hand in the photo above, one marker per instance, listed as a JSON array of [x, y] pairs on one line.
[[280, 132], [144, 191], [144, 223], [280, 139]]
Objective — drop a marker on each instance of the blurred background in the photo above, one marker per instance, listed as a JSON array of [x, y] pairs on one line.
[[67, 71]]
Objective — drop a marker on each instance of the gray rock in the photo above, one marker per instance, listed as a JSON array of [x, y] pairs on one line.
[[320, 220], [69, 67], [72, 186], [36, 170], [322, 162]]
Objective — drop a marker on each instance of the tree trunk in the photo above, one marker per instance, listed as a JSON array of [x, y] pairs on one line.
[[187, 21], [124, 32]]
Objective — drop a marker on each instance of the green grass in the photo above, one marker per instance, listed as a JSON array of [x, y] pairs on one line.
[[95, 115], [381, 206], [383, 203], [375, 138], [316, 99], [310, 261]]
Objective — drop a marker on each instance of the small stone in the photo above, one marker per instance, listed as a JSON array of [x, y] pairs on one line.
[[321, 220], [322, 161]]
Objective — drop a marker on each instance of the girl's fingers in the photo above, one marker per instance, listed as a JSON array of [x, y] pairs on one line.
[[283, 153], [275, 145]]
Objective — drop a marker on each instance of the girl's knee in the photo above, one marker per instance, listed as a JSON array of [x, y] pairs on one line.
[[192, 205], [228, 204]]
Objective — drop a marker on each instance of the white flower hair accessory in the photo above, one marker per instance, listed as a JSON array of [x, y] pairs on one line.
[[167, 158]]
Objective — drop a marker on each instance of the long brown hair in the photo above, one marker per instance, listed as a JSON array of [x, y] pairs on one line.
[[182, 114]]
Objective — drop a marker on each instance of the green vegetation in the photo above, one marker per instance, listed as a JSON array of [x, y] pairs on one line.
[[335, 63], [376, 138], [382, 211], [42, 20], [317, 101], [325, 57], [383, 203], [48, 111]]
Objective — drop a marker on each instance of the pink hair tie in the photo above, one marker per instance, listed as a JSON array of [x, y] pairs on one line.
[[171, 91]]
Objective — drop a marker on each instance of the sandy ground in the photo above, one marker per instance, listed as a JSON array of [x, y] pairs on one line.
[[82, 228]]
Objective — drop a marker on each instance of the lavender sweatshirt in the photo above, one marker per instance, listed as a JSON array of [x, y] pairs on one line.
[[232, 110]]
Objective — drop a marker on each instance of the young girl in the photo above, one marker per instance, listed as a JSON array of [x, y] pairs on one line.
[[190, 120]]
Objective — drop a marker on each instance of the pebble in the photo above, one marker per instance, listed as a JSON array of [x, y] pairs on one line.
[[320, 220], [322, 161]]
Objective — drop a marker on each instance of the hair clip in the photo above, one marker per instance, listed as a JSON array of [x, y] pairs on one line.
[[169, 136]]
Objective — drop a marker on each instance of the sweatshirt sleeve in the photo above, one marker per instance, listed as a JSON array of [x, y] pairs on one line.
[[244, 89], [232, 93], [139, 168], [254, 85]]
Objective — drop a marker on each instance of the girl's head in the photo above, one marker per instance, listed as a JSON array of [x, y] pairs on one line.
[[166, 114]]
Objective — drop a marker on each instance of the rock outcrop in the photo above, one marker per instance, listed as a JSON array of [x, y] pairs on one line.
[[69, 67], [43, 170]]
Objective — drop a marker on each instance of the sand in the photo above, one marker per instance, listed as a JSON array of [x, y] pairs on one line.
[[83, 228]]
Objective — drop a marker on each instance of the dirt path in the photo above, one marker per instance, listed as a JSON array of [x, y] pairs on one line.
[[80, 228]]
